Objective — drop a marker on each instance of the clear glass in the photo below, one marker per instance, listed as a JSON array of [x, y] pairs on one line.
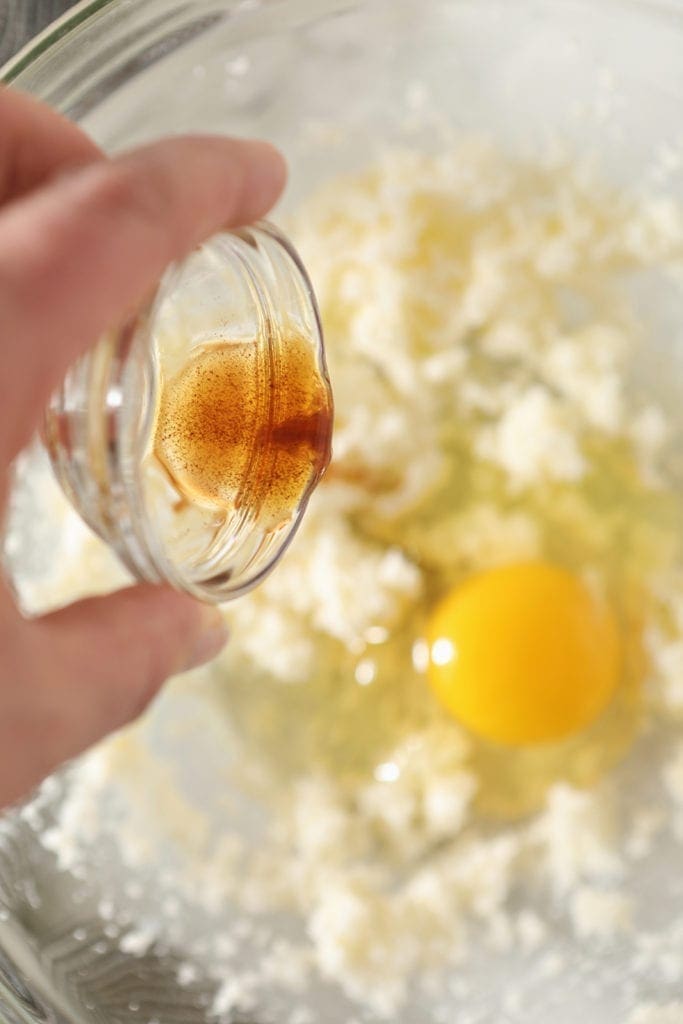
[[333, 82], [243, 302]]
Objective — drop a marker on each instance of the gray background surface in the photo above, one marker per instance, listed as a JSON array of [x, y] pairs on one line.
[[22, 19]]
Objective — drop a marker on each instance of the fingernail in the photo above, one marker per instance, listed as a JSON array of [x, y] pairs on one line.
[[210, 640], [268, 158], [267, 174]]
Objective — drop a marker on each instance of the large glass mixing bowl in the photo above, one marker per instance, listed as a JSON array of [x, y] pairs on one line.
[[332, 82]]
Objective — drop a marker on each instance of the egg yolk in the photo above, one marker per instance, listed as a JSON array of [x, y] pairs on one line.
[[523, 654]]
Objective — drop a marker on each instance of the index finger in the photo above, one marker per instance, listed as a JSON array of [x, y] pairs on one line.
[[80, 254], [37, 143]]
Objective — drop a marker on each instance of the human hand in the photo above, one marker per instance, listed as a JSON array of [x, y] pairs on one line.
[[83, 240]]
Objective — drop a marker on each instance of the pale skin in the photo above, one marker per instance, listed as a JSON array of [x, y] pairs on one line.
[[83, 240]]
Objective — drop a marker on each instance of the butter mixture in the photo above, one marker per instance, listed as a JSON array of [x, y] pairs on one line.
[[420, 740]]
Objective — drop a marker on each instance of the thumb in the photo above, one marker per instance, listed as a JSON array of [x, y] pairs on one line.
[[113, 653], [91, 668]]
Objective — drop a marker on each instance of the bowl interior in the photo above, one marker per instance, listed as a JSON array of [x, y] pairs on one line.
[[333, 83]]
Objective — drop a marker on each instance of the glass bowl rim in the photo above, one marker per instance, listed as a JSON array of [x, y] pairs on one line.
[[84, 10]]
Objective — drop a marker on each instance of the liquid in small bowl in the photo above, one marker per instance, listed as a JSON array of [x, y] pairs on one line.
[[191, 439]]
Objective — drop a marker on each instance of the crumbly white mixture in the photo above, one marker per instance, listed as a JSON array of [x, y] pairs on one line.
[[600, 914], [666, 1013], [479, 346]]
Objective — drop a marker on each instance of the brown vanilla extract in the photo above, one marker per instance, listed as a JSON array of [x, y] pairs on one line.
[[234, 437]]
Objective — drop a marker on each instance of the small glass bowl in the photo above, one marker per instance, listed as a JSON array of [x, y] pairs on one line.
[[244, 297]]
